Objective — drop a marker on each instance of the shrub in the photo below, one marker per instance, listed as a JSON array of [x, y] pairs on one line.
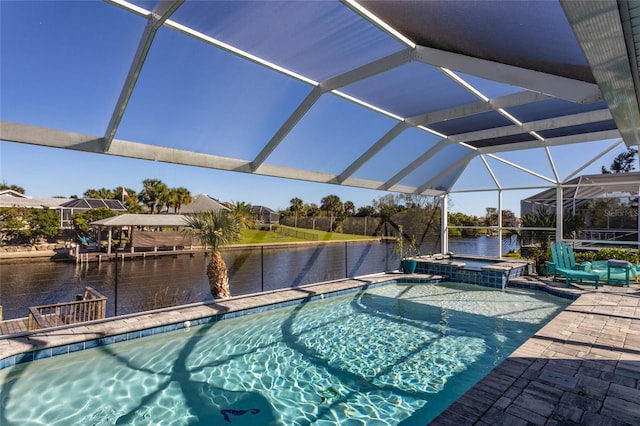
[[629, 255]]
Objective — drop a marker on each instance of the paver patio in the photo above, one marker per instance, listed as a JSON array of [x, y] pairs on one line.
[[582, 368]]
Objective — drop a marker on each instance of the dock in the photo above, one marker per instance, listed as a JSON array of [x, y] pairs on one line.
[[99, 256]]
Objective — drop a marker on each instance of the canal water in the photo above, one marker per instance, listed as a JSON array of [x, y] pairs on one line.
[[140, 285]]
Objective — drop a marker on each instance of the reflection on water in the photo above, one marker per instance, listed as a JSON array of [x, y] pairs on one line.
[[484, 246], [166, 281], [152, 282]]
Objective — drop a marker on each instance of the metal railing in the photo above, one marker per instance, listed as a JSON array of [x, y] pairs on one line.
[[90, 306], [296, 233]]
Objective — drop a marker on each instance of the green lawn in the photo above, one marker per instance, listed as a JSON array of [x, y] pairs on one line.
[[251, 236]]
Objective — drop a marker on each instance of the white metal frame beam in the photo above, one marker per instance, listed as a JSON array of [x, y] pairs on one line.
[[508, 101], [535, 126], [349, 77], [557, 86], [599, 30], [415, 164], [156, 19]]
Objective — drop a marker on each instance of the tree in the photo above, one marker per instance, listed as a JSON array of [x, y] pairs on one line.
[[244, 213], [297, 207], [491, 219], [349, 208], [154, 194], [623, 163], [102, 193], [121, 193], [82, 220], [13, 223], [313, 211], [131, 200], [461, 219], [43, 223], [333, 206], [540, 218], [4, 185], [216, 229], [178, 197], [386, 206], [366, 211]]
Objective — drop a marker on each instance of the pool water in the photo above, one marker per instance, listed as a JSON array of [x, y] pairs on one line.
[[390, 355]]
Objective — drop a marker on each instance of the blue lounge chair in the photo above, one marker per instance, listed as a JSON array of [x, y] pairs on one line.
[[614, 271], [564, 264]]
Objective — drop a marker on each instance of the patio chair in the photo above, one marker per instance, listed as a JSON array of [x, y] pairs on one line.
[[564, 264], [88, 243]]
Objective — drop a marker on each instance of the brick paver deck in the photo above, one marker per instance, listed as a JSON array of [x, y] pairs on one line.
[[582, 368]]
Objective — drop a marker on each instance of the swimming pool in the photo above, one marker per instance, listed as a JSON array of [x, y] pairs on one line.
[[390, 354]]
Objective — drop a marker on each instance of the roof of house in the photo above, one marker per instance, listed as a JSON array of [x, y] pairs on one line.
[[587, 187], [94, 203], [11, 198], [202, 203], [262, 209], [142, 220]]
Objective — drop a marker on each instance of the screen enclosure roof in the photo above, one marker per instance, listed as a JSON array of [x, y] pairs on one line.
[[392, 95]]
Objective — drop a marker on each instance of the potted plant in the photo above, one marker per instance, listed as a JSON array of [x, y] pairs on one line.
[[540, 256], [407, 257]]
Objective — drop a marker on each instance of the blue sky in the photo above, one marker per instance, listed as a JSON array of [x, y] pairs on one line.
[[46, 172], [63, 68]]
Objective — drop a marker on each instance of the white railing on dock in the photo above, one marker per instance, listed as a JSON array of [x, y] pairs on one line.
[[90, 307]]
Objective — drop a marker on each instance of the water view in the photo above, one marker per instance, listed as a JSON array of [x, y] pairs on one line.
[[165, 281]]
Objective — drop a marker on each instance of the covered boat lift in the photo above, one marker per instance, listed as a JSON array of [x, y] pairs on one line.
[[146, 230]]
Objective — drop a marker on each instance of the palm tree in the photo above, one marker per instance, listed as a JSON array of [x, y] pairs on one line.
[[244, 213], [349, 208], [333, 206], [179, 197], [297, 207], [102, 193], [5, 185], [154, 194], [216, 229], [313, 211]]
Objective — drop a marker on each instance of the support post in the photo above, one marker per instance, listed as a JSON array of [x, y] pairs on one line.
[[444, 229], [499, 222], [559, 212]]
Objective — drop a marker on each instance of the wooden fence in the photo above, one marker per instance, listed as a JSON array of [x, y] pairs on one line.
[[92, 306]]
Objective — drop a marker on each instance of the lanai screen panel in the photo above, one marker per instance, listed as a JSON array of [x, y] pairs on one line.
[[55, 86], [213, 102], [530, 34], [327, 139], [316, 39], [497, 76], [410, 90], [441, 169], [398, 154]]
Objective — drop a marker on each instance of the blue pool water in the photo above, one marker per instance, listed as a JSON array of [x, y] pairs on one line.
[[391, 355]]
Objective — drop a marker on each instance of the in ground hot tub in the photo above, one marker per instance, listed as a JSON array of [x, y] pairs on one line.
[[489, 272]]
